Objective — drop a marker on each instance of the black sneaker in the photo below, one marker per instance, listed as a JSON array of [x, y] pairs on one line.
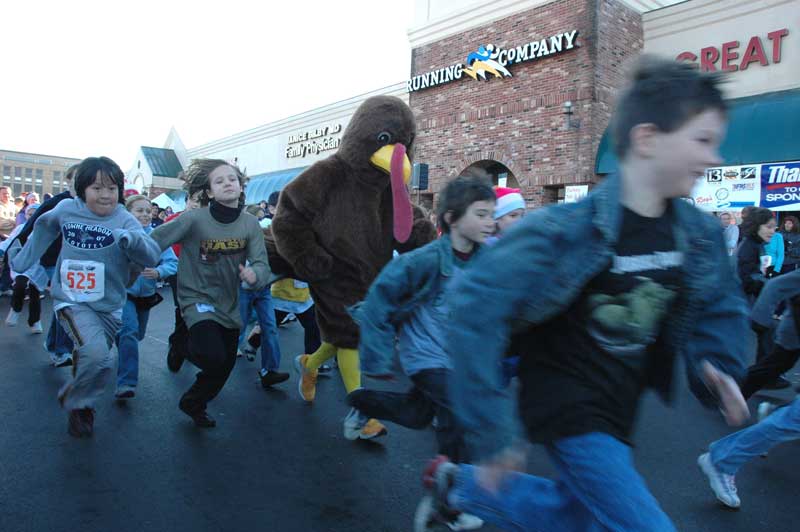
[[81, 422], [174, 360], [778, 384], [200, 417], [273, 377], [324, 370]]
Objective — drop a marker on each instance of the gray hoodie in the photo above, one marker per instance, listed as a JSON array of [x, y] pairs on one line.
[[94, 266]]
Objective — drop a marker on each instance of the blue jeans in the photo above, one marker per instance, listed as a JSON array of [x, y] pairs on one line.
[[733, 451], [58, 341], [598, 490], [261, 300], [132, 331]]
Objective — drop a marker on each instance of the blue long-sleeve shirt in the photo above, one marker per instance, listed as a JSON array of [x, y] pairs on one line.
[[167, 266], [775, 250]]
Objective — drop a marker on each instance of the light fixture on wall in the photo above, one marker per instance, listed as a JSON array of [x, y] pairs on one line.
[[568, 111]]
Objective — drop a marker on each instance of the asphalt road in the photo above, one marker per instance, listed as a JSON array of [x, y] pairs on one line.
[[276, 464]]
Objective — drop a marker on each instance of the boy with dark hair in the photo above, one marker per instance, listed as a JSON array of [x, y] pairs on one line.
[[408, 301], [101, 241], [608, 292]]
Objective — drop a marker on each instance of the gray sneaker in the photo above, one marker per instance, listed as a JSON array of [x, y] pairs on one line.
[[723, 486]]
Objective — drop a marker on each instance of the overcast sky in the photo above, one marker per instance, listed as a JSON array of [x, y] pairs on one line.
[[85, 78]]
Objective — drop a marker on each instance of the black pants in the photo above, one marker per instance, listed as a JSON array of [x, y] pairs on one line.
[[179, 339], [308, 320], [416, 409], [212, 348], [767, 369], [22, 285]]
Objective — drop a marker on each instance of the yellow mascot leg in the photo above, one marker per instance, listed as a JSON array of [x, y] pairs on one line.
[[325, 352], [354, 425], [349, 368]]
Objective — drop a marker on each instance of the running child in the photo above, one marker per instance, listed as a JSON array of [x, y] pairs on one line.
[[608, 292], [101, 243], [216, 242], [408, 301], [142, 296], [32, 282]]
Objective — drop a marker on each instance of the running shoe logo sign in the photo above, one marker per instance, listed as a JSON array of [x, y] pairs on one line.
[[493, 61]]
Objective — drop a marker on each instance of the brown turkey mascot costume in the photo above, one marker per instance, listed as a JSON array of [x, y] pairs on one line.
[[337, 225]]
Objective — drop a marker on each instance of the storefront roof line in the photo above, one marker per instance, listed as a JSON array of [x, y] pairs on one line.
[[260, 186], [761, 129]]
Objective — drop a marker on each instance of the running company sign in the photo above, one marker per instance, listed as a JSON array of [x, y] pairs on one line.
[[491, 60]]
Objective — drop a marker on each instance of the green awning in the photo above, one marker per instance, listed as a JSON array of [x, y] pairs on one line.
[[761, 129]]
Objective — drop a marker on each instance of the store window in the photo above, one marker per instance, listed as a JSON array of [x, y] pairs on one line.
[[29, 173], [39, 174], [56, 174], [17, 171], [6, 171]]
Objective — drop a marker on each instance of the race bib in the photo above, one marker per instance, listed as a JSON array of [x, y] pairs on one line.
[[83, 281]]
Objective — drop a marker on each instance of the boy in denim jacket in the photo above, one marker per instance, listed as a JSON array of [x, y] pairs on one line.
[[605, 294], [407, 302]]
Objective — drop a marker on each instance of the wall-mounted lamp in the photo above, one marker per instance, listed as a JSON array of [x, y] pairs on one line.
[[568, 112]]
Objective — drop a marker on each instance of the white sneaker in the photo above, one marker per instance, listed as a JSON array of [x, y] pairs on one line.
[[353, 423], [765, 408], [8, 293], [36, 328], [61, 359], [13, 318], [465, 522], [723, 486], [125, 392]]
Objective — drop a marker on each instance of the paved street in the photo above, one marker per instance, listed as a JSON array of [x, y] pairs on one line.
[[276, 464]]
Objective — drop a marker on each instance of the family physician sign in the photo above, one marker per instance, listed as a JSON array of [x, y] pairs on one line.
[[493, 61]]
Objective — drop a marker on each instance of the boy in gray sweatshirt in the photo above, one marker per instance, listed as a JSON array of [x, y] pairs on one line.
[[101, 241]]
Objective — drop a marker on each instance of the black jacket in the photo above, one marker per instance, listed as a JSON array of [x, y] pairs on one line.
[[748, 265]]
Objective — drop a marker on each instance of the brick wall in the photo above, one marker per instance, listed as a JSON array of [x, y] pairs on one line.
[[519, 121]]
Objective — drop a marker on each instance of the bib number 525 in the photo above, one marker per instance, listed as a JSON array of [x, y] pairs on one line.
[[81, 280]]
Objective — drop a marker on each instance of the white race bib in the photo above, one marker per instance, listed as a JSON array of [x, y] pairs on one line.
[[83, 281]]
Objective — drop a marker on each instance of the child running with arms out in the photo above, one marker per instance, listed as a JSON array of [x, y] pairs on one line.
[[408, 300], [216, 242], [101, 243]]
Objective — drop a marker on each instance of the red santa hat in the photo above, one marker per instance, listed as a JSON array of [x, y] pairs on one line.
[[508, 200]]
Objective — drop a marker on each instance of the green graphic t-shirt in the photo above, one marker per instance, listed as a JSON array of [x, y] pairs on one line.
[[588, 367]]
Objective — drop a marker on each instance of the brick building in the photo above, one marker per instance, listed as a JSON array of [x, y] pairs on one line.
[[537, 125], [33, 172]]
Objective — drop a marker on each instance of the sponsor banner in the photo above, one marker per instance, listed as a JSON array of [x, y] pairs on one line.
[[727, 188], [780, 186]]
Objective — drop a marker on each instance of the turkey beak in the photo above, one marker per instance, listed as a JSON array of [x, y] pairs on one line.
[[383, 159]]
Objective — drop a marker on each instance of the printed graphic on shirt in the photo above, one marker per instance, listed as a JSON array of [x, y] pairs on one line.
[[212, 249], [625, 323], [85, 236]]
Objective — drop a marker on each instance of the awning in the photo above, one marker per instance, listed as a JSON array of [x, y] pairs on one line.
[[260, 186], [761, 129], [175, 199]]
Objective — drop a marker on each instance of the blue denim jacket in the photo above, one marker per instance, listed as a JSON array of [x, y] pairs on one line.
[[537, 270], [409, 280]]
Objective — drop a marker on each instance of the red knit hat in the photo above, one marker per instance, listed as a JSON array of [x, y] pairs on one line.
[[508, 200]]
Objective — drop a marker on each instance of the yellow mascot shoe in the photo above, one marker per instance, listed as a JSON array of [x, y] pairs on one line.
[[373, 429], [307, 383]]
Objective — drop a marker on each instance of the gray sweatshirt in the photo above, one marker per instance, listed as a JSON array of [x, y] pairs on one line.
[[97, 253]]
